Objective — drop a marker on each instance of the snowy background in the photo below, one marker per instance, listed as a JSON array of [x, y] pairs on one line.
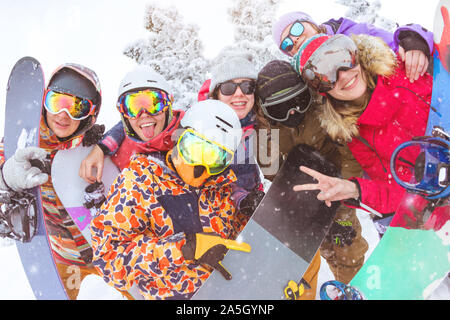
[[111, 36]]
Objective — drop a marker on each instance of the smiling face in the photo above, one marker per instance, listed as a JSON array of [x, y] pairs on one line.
[[61, 124], [308, 32], [147, 126], [241, 103], [350, 85]]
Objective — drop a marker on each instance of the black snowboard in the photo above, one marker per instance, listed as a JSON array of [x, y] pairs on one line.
[[284, 233]]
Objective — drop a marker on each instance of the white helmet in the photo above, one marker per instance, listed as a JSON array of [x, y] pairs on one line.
[[216, 121], [143, 76]]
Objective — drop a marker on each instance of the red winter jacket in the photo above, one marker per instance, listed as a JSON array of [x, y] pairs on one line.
[[397, 112]]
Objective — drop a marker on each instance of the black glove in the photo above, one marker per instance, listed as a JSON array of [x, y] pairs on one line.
[[342, 233], [249, 204], [210, 249], [93, 135]]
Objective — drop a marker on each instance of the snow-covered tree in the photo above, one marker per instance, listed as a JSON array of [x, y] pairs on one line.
[[176, 51], [252, 22], [367, 11], [173, 49]]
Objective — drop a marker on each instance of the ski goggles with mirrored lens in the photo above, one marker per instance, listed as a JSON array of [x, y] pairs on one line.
[[321, 71], [296, 30], [299, 98], [230, 87], [132, 104], [195, 149], [77, 108]]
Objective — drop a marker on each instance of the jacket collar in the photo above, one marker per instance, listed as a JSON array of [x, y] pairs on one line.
[[163, 141], [49, 140]]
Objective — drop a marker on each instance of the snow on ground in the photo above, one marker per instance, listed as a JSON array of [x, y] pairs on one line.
[[14, 284]]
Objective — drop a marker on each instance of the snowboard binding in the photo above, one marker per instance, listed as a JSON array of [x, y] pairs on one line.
[[94, 195], [432, 166], [18, 216], [340, 291]]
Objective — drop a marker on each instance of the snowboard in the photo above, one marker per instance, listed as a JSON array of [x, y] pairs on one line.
[[284, 233], [72, 195], [24, 96], [414, 252]]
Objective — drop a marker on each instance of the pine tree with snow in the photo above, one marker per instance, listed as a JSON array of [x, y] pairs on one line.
[[252, 21], [367, 11], [174, 50]]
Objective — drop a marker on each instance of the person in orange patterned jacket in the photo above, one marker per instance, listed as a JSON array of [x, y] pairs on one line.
[[167, 214]]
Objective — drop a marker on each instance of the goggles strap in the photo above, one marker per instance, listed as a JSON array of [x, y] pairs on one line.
[[292, 93]]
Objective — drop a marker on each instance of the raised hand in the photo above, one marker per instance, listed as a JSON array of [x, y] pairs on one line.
[[331, 188]]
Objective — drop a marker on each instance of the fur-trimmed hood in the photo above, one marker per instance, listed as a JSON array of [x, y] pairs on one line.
[[377, 59], [375, 56]]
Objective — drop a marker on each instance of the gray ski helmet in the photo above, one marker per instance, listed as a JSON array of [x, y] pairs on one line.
[[76, 80], [82, 82]]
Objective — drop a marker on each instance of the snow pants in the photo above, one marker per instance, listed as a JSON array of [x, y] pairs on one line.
[[311, 275], [345, 261]]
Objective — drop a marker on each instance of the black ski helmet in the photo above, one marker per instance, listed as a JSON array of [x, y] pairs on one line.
[[82, 82], [281, 90]]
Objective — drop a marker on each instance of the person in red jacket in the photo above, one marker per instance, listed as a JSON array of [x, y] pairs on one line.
[[370, 105]]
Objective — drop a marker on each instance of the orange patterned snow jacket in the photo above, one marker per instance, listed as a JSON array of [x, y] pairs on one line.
[[138, 233]]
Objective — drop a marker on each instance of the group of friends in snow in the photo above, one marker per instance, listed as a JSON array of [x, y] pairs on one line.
[[350, 90]]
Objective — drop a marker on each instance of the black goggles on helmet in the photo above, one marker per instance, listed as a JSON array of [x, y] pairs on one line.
[[299, 96], [321, 71]]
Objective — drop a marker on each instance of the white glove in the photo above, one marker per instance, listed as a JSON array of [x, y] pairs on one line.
[[18, 174]]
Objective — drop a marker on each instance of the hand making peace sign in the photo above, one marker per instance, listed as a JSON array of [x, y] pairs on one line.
[[331, 188]]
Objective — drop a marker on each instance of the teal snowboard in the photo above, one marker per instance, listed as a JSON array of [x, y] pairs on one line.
[[404, 264]]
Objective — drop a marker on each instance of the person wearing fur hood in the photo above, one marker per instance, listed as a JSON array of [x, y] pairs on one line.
[[372, 106]]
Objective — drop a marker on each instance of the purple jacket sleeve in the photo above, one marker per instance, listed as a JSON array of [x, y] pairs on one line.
[[349, 27], [112, 139], [426, 35]]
